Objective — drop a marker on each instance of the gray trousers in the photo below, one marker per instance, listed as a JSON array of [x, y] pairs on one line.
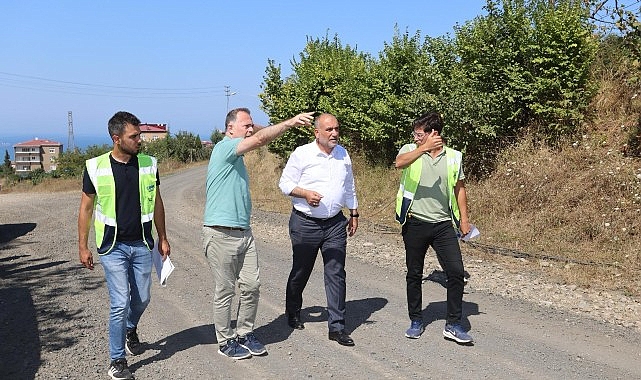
[[308, 236], [232, 257]]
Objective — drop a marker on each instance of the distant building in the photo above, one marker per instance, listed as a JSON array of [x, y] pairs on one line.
[[36, 154], [153, 132]]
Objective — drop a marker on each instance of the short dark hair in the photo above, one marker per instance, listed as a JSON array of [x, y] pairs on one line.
[[116, 125], [231, 115], [429, 121]]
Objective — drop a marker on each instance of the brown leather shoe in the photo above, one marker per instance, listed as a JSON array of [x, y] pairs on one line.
[[294, 321], [341, 337]]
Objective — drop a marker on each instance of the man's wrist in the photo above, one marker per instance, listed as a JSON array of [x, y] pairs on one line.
[[353, 215]]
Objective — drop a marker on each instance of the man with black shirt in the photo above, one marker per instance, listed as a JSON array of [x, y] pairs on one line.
[[121, 187]]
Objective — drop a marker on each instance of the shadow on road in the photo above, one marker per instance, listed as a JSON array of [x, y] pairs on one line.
[[20, 348], [436, 311], [358, 313], [33, 298], [9, 232], [167, 347]]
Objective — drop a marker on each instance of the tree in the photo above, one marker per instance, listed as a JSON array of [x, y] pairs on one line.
[[6, 167], [528, 64], [407, 81], [328, 77], [216, 136], [72, 163], [186, 147], [523, 67]]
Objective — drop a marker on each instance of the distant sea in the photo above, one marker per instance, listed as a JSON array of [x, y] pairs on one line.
[[82, 142]]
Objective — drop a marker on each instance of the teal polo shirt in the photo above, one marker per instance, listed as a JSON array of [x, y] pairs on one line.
[[227, 188]]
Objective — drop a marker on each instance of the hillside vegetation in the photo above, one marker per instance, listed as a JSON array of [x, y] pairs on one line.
[[543, 101], [572, 213]]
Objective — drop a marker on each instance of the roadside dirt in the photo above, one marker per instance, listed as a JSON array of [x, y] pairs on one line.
[[53, 312]]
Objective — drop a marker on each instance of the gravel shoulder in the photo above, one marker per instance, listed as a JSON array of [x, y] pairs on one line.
[[53, 312]]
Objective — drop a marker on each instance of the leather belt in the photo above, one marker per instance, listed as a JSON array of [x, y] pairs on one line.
[[227, 228], [303, 215]]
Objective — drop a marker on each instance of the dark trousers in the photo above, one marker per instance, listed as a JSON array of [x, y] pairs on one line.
[[330, 237], [418, 236]]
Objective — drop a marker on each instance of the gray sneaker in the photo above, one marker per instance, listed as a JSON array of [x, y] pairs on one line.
[[415, 330], [233, 350], [456, 333], [251, 343]]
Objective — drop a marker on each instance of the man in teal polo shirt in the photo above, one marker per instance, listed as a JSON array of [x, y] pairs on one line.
[[228, 242]]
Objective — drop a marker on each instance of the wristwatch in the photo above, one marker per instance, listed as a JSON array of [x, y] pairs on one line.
[[354, 215]]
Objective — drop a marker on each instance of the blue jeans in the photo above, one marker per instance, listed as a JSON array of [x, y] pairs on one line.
[[128, 274]]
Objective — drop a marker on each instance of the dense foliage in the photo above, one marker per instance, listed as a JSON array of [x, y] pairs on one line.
[[184, 147], [524, 66], [216, 136]]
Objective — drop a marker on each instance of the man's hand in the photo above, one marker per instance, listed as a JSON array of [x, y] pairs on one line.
[[464, 227], [86, 258], [313, 198], [352, 226], [305, 118], [433, 141], [164, 248]]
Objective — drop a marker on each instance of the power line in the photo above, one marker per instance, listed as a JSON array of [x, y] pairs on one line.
[[121, 95], [58, 86], [110, 86]]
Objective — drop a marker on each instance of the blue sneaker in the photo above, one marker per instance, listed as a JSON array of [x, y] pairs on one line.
[[456, 333], [233, 350], [415, 330], [251, 343]]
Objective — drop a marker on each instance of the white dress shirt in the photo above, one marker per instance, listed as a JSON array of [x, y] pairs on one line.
[[327, 174]]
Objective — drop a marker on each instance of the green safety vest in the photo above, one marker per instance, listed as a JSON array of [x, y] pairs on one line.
[[411, 176], [99, 171]]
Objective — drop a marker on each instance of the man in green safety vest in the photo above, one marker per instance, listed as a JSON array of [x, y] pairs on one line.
[[431, 205], [120, 189]]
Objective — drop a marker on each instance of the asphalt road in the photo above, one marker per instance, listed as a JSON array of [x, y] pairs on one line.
[[53, 313]]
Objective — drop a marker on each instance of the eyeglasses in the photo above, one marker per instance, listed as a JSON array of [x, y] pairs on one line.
[[418, 135]]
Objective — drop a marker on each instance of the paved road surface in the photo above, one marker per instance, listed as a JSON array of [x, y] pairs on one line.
[[53, 313]]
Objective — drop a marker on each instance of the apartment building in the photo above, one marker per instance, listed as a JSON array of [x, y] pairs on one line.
[[36, 154], [153, 132]]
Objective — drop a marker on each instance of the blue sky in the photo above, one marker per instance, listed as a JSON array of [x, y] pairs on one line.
[[169, 61]]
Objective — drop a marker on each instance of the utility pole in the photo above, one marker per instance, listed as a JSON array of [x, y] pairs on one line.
[[228, 93], [70, 144]]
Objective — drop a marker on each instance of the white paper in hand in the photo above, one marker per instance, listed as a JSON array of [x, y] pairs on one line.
[[163, 268], [474, 232]]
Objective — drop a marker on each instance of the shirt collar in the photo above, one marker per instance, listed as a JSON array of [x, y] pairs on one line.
[[318, 150]]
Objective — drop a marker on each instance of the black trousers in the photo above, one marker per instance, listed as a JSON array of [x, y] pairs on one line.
[[418, 236], [308, 236]]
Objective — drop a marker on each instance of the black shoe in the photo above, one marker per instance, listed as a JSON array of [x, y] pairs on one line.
[[294, 321], [118, 370], [132, 343], [341, 337]]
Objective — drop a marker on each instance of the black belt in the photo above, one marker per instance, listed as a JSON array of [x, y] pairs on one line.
[[228, 228], [303, 215]]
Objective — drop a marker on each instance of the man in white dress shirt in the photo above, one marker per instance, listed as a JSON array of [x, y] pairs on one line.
[[318, 176]]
